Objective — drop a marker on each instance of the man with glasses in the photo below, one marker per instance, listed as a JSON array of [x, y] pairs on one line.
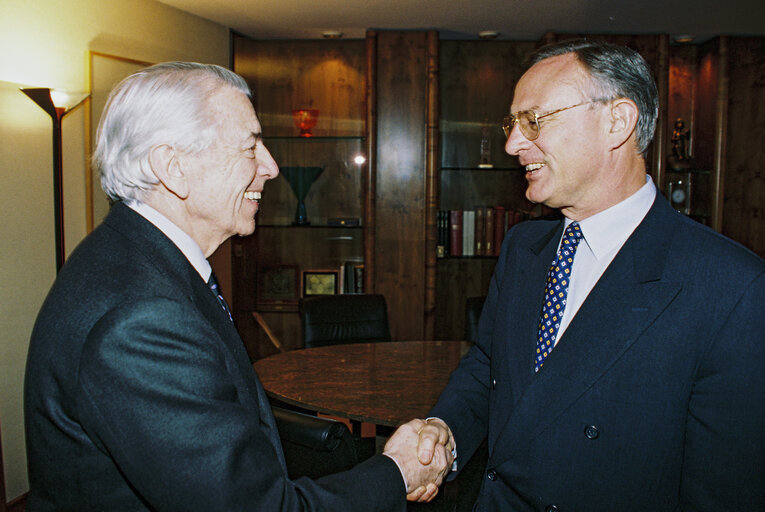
[[619, 361]]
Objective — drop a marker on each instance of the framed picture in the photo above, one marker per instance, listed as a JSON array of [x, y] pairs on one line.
[[320, 282], [277, 284]]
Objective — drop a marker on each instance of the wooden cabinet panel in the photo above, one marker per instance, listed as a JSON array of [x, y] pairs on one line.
[[400, 188], [287, 75], [476, 80], [743, 216]]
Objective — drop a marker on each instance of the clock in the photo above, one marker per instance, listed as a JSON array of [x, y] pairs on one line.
[[679, 190]]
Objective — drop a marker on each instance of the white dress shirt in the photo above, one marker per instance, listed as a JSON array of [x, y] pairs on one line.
[[184, 242], [604, 234]]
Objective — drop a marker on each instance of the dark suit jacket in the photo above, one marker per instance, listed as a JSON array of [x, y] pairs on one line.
[[139, 395], [654, 399]]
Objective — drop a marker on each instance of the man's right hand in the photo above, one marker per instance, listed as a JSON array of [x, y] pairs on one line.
[[422, 477]]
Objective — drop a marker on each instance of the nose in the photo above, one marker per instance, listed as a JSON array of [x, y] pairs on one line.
[[267, 166], [516, 141]]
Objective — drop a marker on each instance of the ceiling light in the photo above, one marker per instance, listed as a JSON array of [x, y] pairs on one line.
[[488, 34], [332, 34], [684, 39]]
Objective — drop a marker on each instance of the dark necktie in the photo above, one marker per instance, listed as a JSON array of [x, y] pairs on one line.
[[556, 293], [213, 284]]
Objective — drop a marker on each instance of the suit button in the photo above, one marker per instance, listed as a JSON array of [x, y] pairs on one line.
[[591, 431], [551, 508], [493, 383], [491, 475]]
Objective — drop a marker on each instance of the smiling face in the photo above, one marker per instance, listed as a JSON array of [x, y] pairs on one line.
[[225, 181], [567, 165]]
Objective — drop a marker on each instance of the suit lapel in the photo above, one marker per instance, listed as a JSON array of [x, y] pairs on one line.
[[523, 304], [210, 307], [626, 300]]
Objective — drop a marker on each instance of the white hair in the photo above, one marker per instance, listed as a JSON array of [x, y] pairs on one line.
[[162, 104]]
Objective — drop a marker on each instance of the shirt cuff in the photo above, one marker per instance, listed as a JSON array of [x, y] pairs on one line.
[[454, 442]]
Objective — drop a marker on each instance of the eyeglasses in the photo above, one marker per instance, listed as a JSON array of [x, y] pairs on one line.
[[528, 120]]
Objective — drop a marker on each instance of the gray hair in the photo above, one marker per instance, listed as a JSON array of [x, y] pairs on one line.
[[162, 104], [617, 72]]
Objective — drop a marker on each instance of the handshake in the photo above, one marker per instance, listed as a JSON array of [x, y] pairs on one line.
[[423, 451]]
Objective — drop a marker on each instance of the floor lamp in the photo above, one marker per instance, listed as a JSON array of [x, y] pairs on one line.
[[56, 110]]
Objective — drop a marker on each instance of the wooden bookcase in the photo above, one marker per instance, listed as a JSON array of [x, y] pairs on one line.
[[476, 81], [268, 266]]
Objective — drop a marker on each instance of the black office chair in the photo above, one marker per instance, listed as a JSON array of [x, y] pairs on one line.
[[473, 307], [314, 446], [339, 319]]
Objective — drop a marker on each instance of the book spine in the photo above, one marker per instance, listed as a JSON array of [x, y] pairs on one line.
[[456, 233], [468, 233]]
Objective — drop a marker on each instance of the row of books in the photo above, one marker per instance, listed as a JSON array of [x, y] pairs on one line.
[[351, 277], [474, 232]]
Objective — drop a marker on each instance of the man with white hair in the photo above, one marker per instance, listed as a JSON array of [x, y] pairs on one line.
[[139, 394]]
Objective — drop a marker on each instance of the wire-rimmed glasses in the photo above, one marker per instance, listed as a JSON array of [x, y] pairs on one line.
[[528, 120]]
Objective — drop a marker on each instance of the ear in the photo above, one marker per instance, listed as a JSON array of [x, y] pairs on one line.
[[622, 121], [166, 166]]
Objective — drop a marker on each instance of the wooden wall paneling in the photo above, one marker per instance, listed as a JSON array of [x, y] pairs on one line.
[[660, 145], [477, 80], [720, 143], [400, 198], [705, 129], [459, 278], [743, 216], [431, 186], [369, 184], [284, 75]]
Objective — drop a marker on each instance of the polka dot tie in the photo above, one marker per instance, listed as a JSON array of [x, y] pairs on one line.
[[555, 293]]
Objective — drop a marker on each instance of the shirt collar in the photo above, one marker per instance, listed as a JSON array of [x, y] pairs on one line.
[[609, 229], [183, 241]]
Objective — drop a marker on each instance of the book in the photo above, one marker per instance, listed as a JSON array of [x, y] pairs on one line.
[[442, 233], [480, 232], [489, 243], [455, 232], [468, 232]]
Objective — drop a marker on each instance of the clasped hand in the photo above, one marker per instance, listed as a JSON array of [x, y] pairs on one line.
[[423, 451]]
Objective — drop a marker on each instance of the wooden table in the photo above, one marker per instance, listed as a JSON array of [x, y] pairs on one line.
[[384, 383]]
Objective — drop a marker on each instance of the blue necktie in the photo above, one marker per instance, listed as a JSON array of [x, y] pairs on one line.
[[556, 293], [213, 284]]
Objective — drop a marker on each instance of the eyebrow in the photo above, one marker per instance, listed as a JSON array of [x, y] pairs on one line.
[[257, 136]]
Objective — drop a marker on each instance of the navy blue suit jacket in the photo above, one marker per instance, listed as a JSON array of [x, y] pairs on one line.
[[139, 395], [654, 398]]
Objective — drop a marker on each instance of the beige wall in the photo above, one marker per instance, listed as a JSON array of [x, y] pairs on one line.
[[45, 43]]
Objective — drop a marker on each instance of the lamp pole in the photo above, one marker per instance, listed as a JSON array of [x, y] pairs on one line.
[[42, 96]]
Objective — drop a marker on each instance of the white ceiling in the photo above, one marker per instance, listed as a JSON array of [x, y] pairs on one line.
[[464, 19]]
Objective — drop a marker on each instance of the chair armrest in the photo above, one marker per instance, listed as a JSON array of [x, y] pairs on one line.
[[321, 434]]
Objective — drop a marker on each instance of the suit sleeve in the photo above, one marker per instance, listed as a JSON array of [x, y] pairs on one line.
[[158, 395], [723, 466], [464, 403]]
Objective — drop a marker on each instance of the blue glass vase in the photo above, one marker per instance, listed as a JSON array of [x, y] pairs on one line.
[[301, 179]]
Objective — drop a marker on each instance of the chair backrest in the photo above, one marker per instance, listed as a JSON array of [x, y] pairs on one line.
[[314, 446], [338, 319], [473, 307]]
